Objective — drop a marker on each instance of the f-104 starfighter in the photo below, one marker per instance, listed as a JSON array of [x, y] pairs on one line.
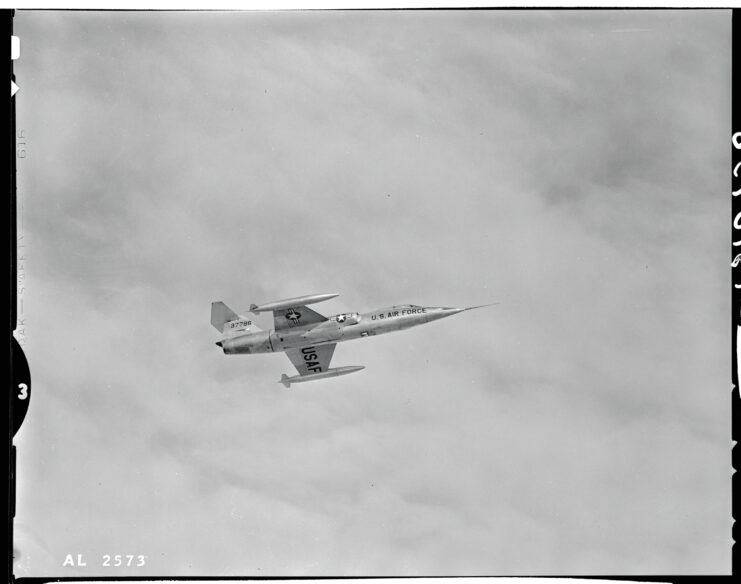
[[309, 338]]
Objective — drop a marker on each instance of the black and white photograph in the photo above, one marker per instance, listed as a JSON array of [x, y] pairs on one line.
[[373, 293]]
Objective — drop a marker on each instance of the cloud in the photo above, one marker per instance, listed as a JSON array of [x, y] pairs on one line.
[[553, 161]]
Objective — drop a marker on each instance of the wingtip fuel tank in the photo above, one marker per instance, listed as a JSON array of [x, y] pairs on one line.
[[336, 372], [291, 302]]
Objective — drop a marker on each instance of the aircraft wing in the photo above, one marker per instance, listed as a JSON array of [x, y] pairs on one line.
[[286, 318], [308, 360]]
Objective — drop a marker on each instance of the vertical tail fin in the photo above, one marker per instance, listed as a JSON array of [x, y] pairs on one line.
[[221, 314], [228, 322]]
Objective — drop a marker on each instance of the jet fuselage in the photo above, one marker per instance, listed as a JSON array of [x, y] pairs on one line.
[[340, 327]]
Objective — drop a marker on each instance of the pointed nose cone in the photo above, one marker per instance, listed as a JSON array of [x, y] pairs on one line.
[[480, 306], [443, 312], [218, 343]]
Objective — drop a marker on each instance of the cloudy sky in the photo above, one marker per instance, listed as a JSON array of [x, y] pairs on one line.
[[573, 166]]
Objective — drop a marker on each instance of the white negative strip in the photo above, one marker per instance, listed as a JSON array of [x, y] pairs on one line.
[[15, 47]]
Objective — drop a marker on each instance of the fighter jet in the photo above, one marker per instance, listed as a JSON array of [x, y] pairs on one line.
[[309, 338]]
